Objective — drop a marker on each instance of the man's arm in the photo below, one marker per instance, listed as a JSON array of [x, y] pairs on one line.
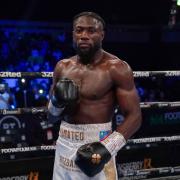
[[127, 99], [54, 111], [56, 75], [63, 93]]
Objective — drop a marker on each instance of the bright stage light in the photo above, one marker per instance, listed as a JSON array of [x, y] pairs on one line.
[[178, 2]]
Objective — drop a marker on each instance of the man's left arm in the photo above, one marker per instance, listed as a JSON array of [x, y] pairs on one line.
[[127, 99]]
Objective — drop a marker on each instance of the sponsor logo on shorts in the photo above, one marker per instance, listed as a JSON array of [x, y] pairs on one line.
[[67, 163], [104, 134], [73, 135]]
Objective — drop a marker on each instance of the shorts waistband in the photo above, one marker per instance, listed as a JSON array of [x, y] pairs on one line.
[[84, 132]]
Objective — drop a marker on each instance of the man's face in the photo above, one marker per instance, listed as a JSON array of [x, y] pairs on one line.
[[87, 36]]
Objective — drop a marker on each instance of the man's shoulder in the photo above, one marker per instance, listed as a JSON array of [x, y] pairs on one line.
[[114, 61], [67, 61], [117, 66]]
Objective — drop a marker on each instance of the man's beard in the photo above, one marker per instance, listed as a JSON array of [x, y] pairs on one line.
[[86, 54]]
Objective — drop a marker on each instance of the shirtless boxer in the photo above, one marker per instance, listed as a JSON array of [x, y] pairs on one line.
[[86, 88]]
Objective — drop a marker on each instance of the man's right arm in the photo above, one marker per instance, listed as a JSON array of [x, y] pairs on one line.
[[63, 92], [53, 111]]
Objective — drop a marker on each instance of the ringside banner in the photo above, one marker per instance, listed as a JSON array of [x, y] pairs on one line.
[[27, 169], [156, 122]]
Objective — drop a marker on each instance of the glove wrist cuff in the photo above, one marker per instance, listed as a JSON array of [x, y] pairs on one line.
[[114, 142], [54, 110], [55, 102]]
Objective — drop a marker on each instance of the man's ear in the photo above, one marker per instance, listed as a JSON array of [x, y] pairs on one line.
[[102, 35]]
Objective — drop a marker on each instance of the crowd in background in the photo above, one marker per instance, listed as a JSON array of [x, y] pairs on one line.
[[29, 52], [37, 52], [22, 51]]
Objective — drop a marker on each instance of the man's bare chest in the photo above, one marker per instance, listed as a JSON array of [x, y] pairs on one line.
[[93, 83]]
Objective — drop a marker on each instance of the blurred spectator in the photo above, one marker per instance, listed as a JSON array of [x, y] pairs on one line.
[[57, 54], [6, 98], [39, 51], [35, 58]]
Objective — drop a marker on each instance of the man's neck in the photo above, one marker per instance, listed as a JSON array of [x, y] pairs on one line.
[[94, 60]]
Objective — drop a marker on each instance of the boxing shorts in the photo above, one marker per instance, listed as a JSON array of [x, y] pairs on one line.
[[73, 136]]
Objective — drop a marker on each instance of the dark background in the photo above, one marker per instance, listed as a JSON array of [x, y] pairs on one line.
[[118, 12], [160, 50], [138, 32]]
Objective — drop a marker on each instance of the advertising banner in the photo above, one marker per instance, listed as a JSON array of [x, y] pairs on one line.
[[27, 169]]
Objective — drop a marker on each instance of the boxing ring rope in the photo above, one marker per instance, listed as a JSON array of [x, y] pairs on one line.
[[172, 170], [137, 74], [138, 141], [162, 139], [37, 110], [16, 111], [130, 142], [155, 171]]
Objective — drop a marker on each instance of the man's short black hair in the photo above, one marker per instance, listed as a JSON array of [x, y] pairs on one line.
[[90, 14]]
